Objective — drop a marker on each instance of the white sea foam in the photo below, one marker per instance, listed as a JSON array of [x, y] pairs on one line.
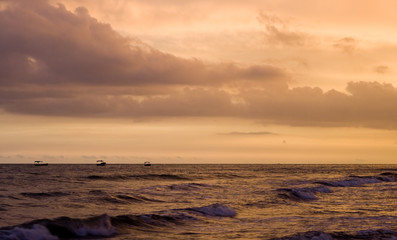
[[37, 232]]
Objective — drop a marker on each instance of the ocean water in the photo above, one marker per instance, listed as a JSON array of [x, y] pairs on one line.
[[198, 202]]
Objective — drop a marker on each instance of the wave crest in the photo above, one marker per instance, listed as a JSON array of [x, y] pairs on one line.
[[188, 186], [63, 227], [36, 232], [120, 198], [215, 210], [151, 220], [302, 194], [353, 182], [105, 226]]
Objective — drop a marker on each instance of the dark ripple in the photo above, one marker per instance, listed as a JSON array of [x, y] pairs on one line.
[[145, 176], [44, 194]]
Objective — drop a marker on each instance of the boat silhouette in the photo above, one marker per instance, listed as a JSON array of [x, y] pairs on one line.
[[100, 163], [40, 163]]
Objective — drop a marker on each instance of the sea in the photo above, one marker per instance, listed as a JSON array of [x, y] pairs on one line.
[[165, 201]]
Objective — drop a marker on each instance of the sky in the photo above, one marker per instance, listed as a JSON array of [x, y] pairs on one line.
[[177, 81]]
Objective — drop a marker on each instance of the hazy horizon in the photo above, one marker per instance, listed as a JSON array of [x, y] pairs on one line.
[[252, 82]]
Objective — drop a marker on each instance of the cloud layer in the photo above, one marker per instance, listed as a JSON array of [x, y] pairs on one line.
[[61, 63]]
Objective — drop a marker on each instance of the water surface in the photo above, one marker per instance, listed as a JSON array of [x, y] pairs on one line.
[[198, 201]]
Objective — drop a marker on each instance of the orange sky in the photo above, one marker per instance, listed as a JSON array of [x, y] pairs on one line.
[[198, 81]]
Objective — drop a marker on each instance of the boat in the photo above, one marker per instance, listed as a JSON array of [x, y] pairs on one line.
[[147, 163], [100, 163], [40, 163]]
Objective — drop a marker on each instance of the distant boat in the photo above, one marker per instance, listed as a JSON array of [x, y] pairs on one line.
[[100, 163], [147, 163], [40, 163]]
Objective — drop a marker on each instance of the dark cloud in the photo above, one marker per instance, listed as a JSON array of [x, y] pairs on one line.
[[186, 102], [367, 104], [44, 44], [58, 63]]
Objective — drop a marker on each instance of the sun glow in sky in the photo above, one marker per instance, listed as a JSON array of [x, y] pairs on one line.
[[198, 81]]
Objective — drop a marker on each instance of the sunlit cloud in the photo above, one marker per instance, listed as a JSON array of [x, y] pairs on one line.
[[347, 44], [278, 32], [381, 69], [86, 69], [61, 63], [193, 81]]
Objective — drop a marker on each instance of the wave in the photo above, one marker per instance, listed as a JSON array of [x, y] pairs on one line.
[[388, 176], [120, 198], [136, 198], [213, 210], [63, 227], [173, 217], [302, 194], [308, 194], [232, 176], [36, 232], [364, 234], [357, 181], [126, 199], [149, 221], [189, 186], [144, 176], [106, 226]]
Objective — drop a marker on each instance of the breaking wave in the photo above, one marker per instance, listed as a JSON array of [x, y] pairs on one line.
[[36, 232], [63, 227], [106, 226], [173, 217], [309, 193]]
